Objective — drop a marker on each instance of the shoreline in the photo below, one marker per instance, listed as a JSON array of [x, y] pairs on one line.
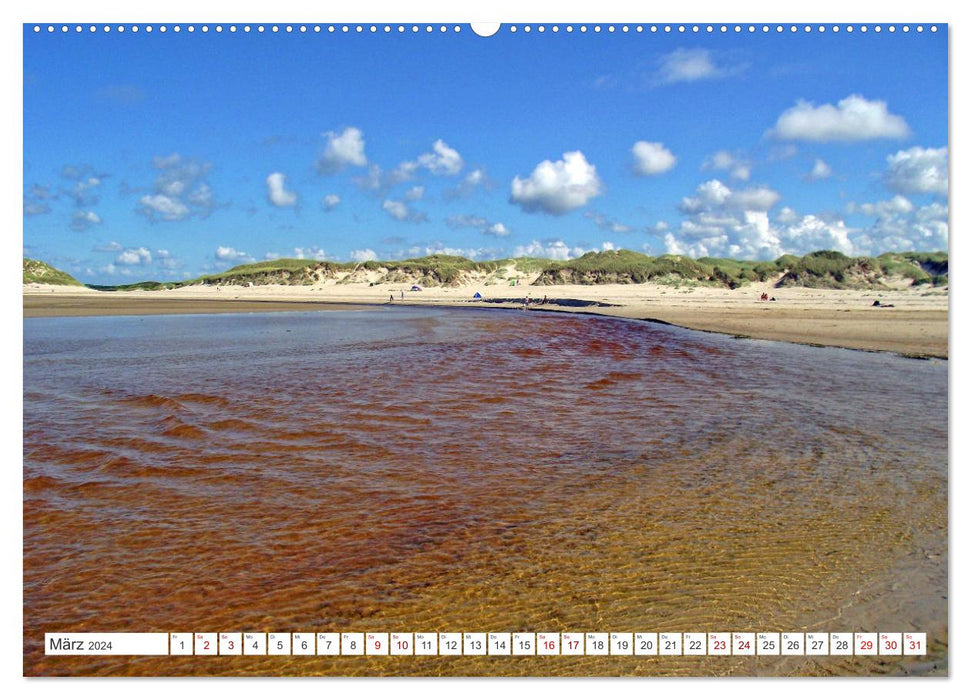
[[910, 322]]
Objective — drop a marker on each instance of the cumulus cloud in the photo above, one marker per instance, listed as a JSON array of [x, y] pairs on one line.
[[310, 253], [160, 207], [652, 158], [363, 255], [686, 66], [276, 191], [342, 150], [473, 180], [736, 166], [853, 118], [606, 223], [400, 211], [179, 190], [918, 170], [898, 224], [439, 249], [443, 159], [481, 224], [557, 187], [85, 191], [330, 201], [714, 195], [83, 220], [134, 256], [229, 254], [415, 193], [820, 171], [723, 222], [554, 249]]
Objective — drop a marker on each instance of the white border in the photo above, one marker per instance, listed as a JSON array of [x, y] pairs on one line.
[[603, 11]]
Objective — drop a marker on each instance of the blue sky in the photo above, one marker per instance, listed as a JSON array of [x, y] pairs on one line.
[[166, 156]]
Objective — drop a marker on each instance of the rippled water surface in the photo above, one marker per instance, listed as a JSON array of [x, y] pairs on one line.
[[449, 470]]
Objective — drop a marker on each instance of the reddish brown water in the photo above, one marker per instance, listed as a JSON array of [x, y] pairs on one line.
[[441, 470]]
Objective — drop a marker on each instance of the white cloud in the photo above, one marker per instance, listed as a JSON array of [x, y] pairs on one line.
[[342, 150], [439, 249], [179, 190], [652, 158], [737, 167], [110, 247], [363, 255], [134, 256], [415, 193], [230, 254], [396, 210], [722, 222], [84, 193], [714, 195], [400, 211], [918, 170], [853, 118], [556, 188], [330, 201], [687, 65], [820, 171], [901, 226], [311, 253], [162, 207], [472, 180], [483, 225], [554, 249], [83, 220], [443, 160], [606, 223], [276, 191]]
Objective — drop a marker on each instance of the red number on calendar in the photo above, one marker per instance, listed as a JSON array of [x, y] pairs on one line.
[[230, 644], [573, 643], [205, 645], [744, 645], [403, 644], [892, 645], [549, 646], [866, 645], [720, 645]]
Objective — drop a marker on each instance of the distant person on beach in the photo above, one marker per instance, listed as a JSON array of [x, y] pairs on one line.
[[391, 298], [402, 294], [764, 297]]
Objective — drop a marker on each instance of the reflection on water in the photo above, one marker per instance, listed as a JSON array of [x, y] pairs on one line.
[[443, 470]]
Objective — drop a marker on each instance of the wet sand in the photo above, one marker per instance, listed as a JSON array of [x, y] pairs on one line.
[[909, 322]]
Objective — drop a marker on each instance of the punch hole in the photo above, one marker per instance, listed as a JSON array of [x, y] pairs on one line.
[[484, 28]]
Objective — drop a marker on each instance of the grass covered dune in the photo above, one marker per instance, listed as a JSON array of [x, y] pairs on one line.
[[819, 270], [896, 302]]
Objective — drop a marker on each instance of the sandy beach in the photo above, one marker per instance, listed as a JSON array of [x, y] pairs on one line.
[[907, 321]]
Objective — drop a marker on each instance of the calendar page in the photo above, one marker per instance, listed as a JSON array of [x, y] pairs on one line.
[[533, 349]]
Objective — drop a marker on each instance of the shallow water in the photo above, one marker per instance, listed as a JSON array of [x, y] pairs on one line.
[[482, 470]]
